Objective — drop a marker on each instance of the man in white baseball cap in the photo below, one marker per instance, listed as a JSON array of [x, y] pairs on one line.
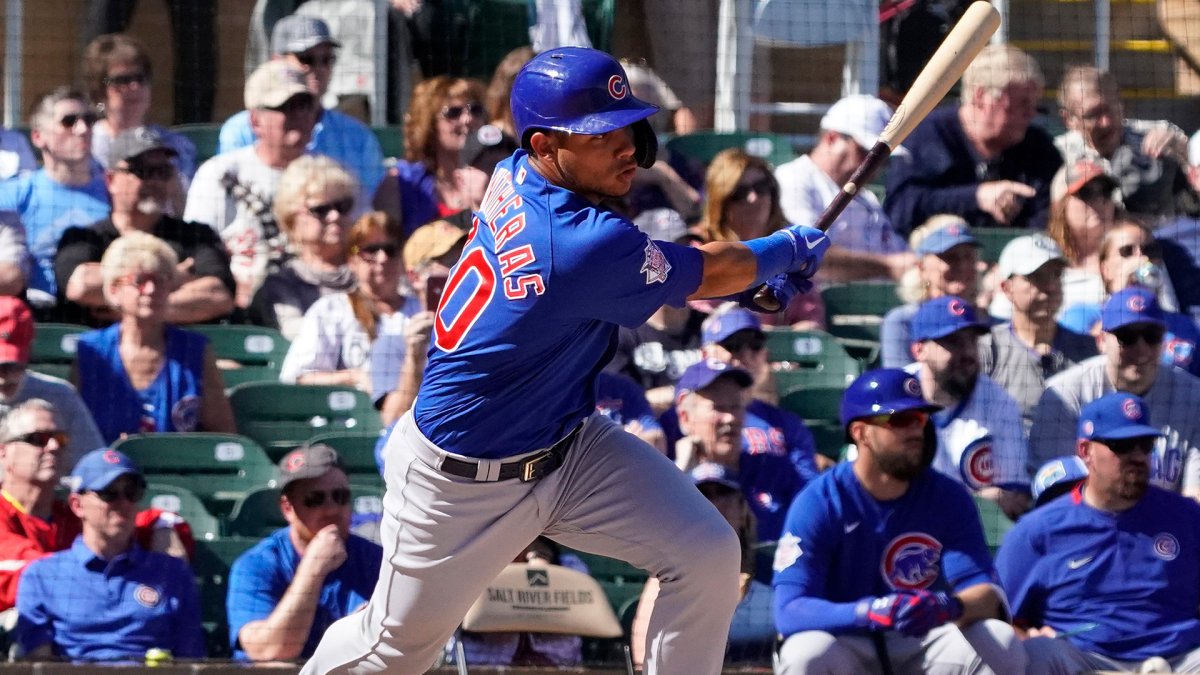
[[865, 246]]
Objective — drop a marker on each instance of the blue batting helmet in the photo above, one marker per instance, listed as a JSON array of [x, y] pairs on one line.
[[881, 392], [581, 91]]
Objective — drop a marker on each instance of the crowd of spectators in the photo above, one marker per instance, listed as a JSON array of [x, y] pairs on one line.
[[298, 225]]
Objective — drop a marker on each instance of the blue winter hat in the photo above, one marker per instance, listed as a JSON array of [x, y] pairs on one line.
[[937, 318], [1116, 416]]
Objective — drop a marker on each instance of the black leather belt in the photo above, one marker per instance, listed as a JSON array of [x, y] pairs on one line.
[[529, 469]]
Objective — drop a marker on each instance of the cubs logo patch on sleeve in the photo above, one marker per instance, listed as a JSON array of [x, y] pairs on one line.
[[655, 265]]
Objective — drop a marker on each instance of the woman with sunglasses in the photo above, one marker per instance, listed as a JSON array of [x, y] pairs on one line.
[[433, 181], [117, 74], [141, 374], [314, 206], [1130, 256], [335, 341], [742, 202]]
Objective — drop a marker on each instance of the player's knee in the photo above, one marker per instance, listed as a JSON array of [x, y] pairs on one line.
[[1047, 655], [810, 652]]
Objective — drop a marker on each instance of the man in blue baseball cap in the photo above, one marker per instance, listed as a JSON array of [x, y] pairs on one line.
[[1106, 577], [1133, 328], [885, 558], [979, 432], [106, 598]]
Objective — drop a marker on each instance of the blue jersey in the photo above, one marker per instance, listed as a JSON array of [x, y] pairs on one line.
[[91, 609], [622, 400], [840, 545], [47, 209], [171, 402], [530, 314], [260, 577], [1134, 575], [1179, 342], [766, 430]]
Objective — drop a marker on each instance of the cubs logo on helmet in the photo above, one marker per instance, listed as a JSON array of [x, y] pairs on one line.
[[617, 87], [910, 561], [976, 464]]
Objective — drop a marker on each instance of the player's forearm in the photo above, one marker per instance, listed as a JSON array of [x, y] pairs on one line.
[[980, 601], [199, 300], [729, 267], [802, 613]]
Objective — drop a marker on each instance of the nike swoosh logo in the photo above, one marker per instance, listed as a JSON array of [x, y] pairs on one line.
[[1076, 564], [811, 244], [851, 527]]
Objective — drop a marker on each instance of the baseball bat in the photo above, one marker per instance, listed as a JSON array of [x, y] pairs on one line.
[[969, 36]]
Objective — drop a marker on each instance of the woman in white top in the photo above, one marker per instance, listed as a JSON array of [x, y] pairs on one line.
[[338, 331]]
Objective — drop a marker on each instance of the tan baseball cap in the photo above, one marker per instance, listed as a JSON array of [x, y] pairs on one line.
[[430, 241], [272, 84]]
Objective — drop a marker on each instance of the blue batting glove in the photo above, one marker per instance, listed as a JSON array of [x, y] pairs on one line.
[[926, 612], [810, 249], [783, 288], [881, 613], [796, 248]]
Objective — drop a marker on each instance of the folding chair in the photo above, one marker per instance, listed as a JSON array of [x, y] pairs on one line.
[[211, 564], [185, 503], [811, 358], [357, 450], [283, 416], [246, 353], [53, 349]]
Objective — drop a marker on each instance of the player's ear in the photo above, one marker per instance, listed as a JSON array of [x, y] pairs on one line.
[[856, 430], [1083, 449], [543, 144], [916, 348]]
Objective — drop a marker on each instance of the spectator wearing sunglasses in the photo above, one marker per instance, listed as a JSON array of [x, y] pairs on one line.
[[337, 337], [233, 192], [434, 180], [1105, 577], [139, 175], [306, 44], [143, 374], [1020, 354], [1133, 328], [315, 205], [285, 591], [118, 76], [34, 522], [1131, 256], [980, 440], [711, 405], [106, 598], [865, 246], [67, 191]]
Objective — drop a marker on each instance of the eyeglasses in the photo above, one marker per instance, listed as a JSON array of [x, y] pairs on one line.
[[322, 211], [310, 60], [42, 438], [762, 187], [1151, 249], [744, 339], [148, 171], [1129, 336], [904, 419], [119, 81], [131, 491], [371, 251], [340, 496], [69, 121], [454, 112], [141, 279]]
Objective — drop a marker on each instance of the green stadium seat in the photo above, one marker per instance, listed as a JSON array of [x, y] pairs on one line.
[[256, 514], [701, 146], [218, 468], [184, 502], [204, 136], [820, 404], [391, 141], [357, 451], [211, 564], [829, 438], [854, 313], [811, 358], [258, 351], [993, 240], [995, 523], [283, 416], [53, 349]]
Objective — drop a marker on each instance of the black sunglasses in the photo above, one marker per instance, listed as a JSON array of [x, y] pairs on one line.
[[340, 496], [310, 60], [1126, 446], [70, 120], [126, 80], [148, 171], [42, 438], [762, 187], [322, 211], [1151, 249], [453, 112], [1094, 191], [371, 251], [1129, 336], [744, 339], [132, 491]]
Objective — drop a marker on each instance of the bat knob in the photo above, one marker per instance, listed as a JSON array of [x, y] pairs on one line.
[[766, 299]]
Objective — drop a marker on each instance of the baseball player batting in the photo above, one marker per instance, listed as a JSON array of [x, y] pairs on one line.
[[504, 443]]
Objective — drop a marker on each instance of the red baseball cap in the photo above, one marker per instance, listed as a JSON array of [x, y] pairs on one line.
[[16, 330]]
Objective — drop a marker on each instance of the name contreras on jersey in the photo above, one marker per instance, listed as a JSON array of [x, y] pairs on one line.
[[502, 203]]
